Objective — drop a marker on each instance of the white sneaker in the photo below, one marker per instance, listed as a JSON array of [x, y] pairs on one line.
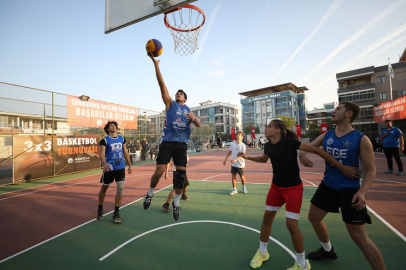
[[234, 191], [244, 189]]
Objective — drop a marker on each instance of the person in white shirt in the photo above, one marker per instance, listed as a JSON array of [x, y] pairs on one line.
[[237, 163]]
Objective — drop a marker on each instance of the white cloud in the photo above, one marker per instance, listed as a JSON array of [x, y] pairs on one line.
[[336, 4], [354, 37]]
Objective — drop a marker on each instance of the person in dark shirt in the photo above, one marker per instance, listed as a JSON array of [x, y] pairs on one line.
[[131, 150], [219, 142], [144, 148], [287, 187]]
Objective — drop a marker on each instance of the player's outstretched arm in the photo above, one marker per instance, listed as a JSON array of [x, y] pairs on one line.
[[228, 154], [164, 91], [262, 159], [366, 155], [348, 171], [302, 154]]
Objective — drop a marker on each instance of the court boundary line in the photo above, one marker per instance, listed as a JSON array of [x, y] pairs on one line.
[[74, 228], [194, 221], [36, 191], [388, 224]]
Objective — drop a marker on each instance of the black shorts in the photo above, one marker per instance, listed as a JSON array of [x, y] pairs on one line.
[[174, 150], [186, 183], [331, 200], [108, 177], [235, 170]]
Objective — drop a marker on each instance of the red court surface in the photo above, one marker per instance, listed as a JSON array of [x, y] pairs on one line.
[[34, 215]]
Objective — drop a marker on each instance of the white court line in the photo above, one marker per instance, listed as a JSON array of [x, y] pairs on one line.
[[56, 236], [195, 221], [387, 224], [215, 176], [390, 181], [60, 187], [309, 182]]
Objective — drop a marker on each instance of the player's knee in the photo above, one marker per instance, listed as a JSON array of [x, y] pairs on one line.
[[180, 179], [120, 188]]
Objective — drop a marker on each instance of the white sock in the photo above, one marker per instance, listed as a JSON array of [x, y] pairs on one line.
[[300, 258], [177, 199], [326, 246], [151, 191], [262, 247]]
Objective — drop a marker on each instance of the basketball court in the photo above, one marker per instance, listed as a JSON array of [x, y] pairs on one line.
[[53, 222]]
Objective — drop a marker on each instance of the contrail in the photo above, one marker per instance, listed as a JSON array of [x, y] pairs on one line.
[[367, 51], [354, 37], [323, 20], [206, 33]]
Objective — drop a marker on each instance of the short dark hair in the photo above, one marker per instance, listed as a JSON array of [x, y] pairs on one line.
[[351, 107], [180, 90], [388, 120], [106, 127]]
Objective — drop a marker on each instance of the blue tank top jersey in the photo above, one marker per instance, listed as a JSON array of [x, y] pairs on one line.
[[177, 127], [346, 151], [114, 152]]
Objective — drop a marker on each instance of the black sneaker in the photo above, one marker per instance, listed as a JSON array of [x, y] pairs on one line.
[[116, 217], [147, 202], [165, 207], [176, 212], [99, 213], [322, 254]]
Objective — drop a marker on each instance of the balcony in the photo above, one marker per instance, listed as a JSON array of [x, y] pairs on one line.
[[357, 87]]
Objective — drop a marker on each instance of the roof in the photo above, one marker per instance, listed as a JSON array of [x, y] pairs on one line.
[[403, 56], [274, 89]]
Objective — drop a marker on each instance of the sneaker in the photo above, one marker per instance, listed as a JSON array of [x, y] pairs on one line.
[[322, 254], [389, 171], [99, 213], [234, 191], [244, 189], [176, 212], [165, 207], [258, 259], [297, 266], [147, 202], [400, 173], [116, 217], [184, 197]]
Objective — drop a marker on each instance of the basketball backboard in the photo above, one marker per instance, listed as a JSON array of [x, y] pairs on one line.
[[122, 13]]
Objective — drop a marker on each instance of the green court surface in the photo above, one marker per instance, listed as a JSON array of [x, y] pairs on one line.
[[215, 231]]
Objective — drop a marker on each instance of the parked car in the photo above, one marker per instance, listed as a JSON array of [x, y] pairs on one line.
[[227, 143]]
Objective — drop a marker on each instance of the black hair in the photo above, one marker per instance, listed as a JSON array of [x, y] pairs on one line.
[[106, 127], [180, 90], [285, 133]]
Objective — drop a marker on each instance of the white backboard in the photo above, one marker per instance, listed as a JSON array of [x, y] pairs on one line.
[[122, 13]]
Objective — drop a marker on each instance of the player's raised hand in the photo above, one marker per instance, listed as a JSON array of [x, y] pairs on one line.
[[156, 62], [190, 116]]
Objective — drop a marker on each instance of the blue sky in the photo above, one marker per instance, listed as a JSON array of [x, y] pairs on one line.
[[245, 45]]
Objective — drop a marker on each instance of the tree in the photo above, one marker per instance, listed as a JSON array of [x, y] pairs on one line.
[[247, 129], [289, 121]]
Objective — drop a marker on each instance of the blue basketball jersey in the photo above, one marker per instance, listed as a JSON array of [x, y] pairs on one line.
[[346, 151], [177, 127], [114, 152]]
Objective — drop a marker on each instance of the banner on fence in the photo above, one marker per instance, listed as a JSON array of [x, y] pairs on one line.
[[34, 159], [95, 113]]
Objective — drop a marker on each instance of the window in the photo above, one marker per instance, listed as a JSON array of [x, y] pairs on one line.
[[258, 104], [382, 95], [269, 114], [204, 112], [258, 115], [329, 107], [381, 79], [401, 93], [248, 105]]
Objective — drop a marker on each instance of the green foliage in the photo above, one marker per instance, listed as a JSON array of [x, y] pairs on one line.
[[289, 121], [247, 129]]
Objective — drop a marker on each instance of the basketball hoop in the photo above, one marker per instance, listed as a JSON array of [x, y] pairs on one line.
[[185, 26]]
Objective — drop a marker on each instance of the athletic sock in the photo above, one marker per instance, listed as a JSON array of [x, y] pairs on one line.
[[262, 247], [326, 246], [151, 191], [300, 259], [116, 208], [177, 199], [100, 206]]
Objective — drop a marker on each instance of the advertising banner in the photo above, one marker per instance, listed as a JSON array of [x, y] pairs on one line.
[[233, 134], [323, 128], [94, 113], [390, 110], [299, 131], [34, 159], [253, 132]]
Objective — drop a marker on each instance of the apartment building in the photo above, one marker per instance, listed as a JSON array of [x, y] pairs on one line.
[[321, 115]]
